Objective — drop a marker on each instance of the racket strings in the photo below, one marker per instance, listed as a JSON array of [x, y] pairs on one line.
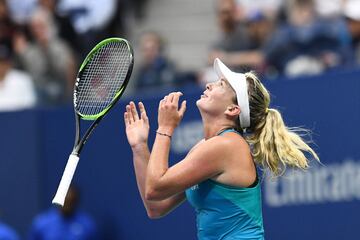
[[102, 78]]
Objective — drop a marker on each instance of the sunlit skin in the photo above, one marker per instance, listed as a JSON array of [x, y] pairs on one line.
[[226, 158], [217, 107]]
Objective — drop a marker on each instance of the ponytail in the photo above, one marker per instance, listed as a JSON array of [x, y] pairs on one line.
[[274, 145]]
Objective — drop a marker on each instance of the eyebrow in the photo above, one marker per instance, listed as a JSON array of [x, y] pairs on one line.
[[226, 81]]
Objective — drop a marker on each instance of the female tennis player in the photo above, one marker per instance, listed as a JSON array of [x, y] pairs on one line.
[[218, 176]]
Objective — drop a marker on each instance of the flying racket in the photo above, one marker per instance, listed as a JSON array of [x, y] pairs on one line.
[[100, 82]]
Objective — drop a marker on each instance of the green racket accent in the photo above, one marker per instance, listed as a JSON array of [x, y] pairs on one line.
[[100, 82], [102, 78], [103, 112], [98, 46]]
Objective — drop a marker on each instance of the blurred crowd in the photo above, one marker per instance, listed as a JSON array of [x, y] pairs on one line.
[[288, 38], [42, 43]]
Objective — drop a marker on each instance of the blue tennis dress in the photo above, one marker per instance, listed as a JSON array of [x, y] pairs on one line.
[[227, 212]]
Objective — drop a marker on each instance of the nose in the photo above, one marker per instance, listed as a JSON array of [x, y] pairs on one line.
[[208, 86]]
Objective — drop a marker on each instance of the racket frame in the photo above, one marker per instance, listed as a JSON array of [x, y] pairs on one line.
[[79, 143]]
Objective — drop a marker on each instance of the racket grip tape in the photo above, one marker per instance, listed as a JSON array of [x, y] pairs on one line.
[[66, 178]]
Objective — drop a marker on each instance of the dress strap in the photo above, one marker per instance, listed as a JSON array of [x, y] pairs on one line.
[[228, 130]]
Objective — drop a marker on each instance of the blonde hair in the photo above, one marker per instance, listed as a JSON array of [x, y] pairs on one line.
[[274, 145]]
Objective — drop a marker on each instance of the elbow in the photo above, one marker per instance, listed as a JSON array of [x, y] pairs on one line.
[[152, 195], [156, 193], [156, 211], [153, 214]]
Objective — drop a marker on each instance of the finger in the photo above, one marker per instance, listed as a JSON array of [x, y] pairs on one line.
[[165, 99], [129, 114], [142, 108], [126, 119], [182, 108], [142, 111], [176, 97], [134, 111], [171, 97], [144, 118], [161, 103]]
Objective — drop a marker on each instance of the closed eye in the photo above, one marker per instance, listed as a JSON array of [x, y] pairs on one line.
[[224, 82]]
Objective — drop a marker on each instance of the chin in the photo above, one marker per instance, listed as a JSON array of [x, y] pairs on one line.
[[198, 102], [201, 105]]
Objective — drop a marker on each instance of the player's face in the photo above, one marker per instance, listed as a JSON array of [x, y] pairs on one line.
[[216, 97]]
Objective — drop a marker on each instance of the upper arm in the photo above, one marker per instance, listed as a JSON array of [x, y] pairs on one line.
[[203, 162]]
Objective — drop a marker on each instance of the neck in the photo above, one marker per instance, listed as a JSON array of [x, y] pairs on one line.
[[213, 128]]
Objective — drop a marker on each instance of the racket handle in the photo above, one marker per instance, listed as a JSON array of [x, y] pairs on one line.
[[66, 178]]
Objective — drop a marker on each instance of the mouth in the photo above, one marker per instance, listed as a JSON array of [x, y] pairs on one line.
[[204, 95]]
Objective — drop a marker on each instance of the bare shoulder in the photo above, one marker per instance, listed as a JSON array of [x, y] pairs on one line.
[[239, 168], [196, 145], [209, 146], [227, 144], [233, 141]]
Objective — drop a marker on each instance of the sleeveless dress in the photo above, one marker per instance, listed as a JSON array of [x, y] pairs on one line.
[[227, 212]]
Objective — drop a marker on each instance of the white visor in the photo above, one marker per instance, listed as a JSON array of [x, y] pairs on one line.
[[238, 83]]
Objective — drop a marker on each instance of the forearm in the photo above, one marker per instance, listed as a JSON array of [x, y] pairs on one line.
[[154, 209], [137, 131], [158, 164], [141, 155]]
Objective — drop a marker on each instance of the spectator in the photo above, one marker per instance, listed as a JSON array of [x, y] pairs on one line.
[[117, 25], [6, 24], [155, 69], [21, 10], [66, 223], [88, 17], [329, 9], [352, 15], [16, 88], [247, 9], [47, 58], [234, 35], [63, 23], [139, 8], [242, 37], [7, 233], [308, 44], [305, 44]]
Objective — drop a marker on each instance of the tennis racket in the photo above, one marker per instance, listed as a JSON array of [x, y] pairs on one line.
[[100, 82]]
